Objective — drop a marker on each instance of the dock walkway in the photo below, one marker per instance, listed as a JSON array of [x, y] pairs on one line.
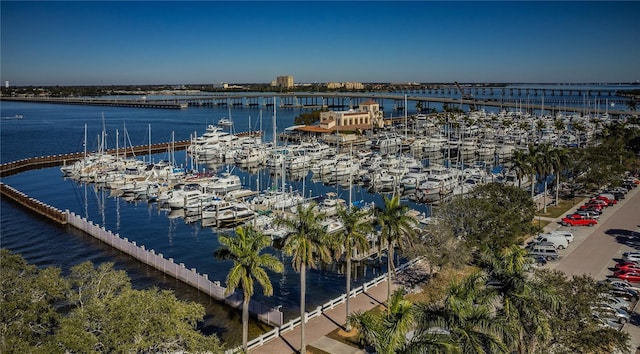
[[317, 327]]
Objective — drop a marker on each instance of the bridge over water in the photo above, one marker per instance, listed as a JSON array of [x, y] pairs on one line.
[[346, 100]]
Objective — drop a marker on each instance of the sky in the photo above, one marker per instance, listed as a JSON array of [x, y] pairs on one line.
[[208, 42]]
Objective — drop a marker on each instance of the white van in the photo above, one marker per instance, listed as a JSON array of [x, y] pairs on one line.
[[568, 235], [559, 241]]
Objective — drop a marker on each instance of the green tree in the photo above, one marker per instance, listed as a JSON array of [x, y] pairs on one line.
[[543, 167], [306, 244], [397, 229], [110, 316], [573, 326], [520, 165], [249, 264], [386, 330], [523, 299], [533, 161], [354, 237], [492, 216], [467, 317], [27, 314], [559, 162]]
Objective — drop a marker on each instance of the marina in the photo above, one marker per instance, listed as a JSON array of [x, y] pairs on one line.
[[441, 157]]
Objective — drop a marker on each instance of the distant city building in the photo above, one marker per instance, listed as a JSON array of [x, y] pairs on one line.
[[346, 85], [6, 84], [283, 81]]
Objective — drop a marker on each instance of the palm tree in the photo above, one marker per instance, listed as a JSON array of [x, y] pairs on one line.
[[396, 228], [543, 166], [523, 300], [532, 161], [559, 161], [305, 244], [244, 249], [520, 165], [354, 237], [467, 317], [386, 330]]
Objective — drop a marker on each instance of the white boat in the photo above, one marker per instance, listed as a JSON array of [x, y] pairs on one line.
[[181, 198], [238, 213], [225, 183], [440, 182], [212, 210]]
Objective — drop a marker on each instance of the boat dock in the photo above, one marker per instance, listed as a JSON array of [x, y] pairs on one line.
[[34, 163]]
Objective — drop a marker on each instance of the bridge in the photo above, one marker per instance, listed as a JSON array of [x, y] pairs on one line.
[[340, 100]]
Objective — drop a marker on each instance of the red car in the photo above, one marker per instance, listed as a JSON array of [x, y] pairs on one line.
[[628, 275], [628, 266], [578, 220], [596, 206]]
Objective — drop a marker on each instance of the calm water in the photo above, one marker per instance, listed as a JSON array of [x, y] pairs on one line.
[[54, 129]]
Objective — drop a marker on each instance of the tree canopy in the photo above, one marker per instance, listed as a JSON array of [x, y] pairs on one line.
[[92, 310], [492, 216]]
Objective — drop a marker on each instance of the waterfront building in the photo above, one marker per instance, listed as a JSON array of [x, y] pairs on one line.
[[346, 85], [367, 116]]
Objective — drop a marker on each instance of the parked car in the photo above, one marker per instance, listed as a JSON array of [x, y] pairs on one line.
[[627, 264], [614, 302], [610, 199], [607, 322], [627, 275], [588, 214], [631, 256], [548, 252], [618, 315], [578, 220], [558, 241], [567, 234], [626, 294], [620, 284], [592, 207]]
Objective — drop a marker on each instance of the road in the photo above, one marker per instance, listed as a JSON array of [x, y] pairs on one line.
[[595, 250]]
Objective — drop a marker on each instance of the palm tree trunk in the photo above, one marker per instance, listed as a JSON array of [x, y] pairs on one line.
[[303, 317], [245, 323], [544, 196], [533, 185], [557, 188], [389, 267], [347, 305]]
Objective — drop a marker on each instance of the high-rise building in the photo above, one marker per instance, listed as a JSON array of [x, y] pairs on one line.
[[284, 81]]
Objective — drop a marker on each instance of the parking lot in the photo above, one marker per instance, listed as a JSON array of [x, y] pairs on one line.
[[595, 250]]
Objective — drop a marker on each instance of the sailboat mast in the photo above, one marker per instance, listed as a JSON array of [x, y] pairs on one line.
[[275, 138], [149, 143], [405, 117]]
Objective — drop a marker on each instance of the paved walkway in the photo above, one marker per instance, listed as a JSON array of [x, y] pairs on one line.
[[317, 327]]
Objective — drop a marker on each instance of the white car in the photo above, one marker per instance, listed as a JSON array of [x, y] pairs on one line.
[[621, 284], [568, 235], [631, 256], [614, 302]]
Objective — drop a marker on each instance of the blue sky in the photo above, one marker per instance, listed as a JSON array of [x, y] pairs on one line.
[[149, 42]]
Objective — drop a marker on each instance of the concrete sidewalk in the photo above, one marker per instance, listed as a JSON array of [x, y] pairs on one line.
[[317, 327]]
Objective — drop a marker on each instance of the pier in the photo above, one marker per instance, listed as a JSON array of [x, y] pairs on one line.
[[34, 163]]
